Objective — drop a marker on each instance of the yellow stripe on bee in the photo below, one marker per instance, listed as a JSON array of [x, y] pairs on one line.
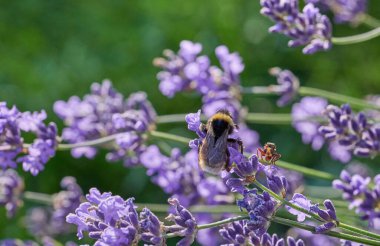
[[222, 116]]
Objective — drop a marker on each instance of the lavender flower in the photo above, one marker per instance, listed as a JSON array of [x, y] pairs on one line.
[[344, 10], [238, 233], [260, 207], [185, 224], [11, 189], [45, 221], [219, 87], [102, 113], [288, 85], [108, 219], [180, 177], [309, 27], [303, 114], [328, 215], [12, 124], [363, 198], [112, 220], [244, 168]]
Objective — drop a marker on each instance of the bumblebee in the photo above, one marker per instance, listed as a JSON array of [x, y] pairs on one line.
[[213, 153], [269, 153]]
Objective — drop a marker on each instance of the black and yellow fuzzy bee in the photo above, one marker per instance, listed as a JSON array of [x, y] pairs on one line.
[[213, 153]]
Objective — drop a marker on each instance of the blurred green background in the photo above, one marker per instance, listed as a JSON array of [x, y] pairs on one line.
[[51, 50]]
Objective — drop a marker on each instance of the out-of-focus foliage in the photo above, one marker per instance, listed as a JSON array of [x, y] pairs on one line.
[[51, 50]]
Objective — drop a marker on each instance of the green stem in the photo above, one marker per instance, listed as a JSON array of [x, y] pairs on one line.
[[305, 211], [169, 136], [222, 222], [340, 235], [357, 38], [337, 98], [305, 170], [268, 118], [95, 142], [38, 197], [369, 20]]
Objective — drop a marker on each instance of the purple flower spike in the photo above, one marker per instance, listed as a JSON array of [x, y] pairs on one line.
[[108, 219], [12, 124], [11, 189], [288, 85], [362, 197], [328, 215], [344, 10], [303, 114], [151, 228], [309, 27], [260, 207], [278, 184], [185, 224], [105, 112]]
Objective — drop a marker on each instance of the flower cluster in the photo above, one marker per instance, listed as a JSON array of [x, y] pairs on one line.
[[312, 239], [308, 117], [309, 27], [363, 197], [37, 154], [344, 11], [45, 221], [239, 233], [354, 133], [260, 207], [219, 87], [328, 215], [111, 220], [105, 113], [180, 177], [288, 85], [11, 189]]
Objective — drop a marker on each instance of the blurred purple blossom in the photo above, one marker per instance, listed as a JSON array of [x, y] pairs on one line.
[[309, 27], [12, 124], [303, 113], [288, 85], [11, 189], [105, 112], [363, 197], [344, 10], [46, 221], [17, 242], [238, 233], [312, 239]]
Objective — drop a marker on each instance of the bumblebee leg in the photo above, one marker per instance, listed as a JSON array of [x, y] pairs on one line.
[[237, 141]]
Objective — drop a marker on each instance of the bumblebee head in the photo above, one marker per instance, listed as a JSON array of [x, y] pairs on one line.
[[221, 121]]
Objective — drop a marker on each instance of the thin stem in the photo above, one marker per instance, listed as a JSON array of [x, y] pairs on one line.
[[358, 230], [357, 38], [38, 197], [269, 118], [308, 91], [369, 20], [338, 98], [345, 226], [222, 222], [305, 170], [95, 142], [169, 136], [340, 235]]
